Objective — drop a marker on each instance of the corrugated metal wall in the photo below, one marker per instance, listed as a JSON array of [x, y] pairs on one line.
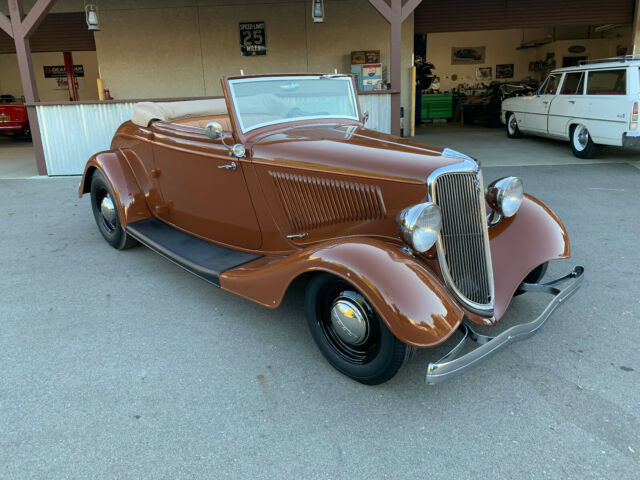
[[468, 15], [58, 32], [72, 133], [379, 108]]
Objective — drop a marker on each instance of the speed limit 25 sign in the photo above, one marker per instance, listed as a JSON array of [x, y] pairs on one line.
[[253, 39]]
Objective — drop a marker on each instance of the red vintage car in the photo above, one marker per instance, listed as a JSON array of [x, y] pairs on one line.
[[14, 120]]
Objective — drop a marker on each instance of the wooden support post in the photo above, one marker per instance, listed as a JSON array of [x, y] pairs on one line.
[[635, 49], [21, 30], [395, 14]]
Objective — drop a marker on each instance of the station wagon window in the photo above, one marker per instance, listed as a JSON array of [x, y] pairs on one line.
[[262, 101], [550, 86], [573, 84], [607, 82]]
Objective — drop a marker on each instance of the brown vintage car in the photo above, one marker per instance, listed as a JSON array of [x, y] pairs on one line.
[[399, 242]]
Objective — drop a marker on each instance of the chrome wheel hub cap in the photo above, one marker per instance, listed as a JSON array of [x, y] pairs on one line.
[[582, 136], [349, 321], [108, 210], [513, 124]]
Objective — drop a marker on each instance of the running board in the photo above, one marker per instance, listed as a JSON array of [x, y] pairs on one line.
[[205, 260]]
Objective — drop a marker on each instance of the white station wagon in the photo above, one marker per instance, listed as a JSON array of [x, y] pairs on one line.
[[590, 105]]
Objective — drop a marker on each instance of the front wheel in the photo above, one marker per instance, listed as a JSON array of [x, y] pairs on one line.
[[103, 204], [350, 334], [512, 126], [581, 143]]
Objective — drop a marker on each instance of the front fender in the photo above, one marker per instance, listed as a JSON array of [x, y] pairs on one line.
[[519, 244], [130, 199], [409, 298]]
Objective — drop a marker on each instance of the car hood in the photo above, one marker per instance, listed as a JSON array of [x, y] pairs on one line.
[[351, 149]]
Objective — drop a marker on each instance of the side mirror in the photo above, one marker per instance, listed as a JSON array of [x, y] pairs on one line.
[[213, 130], [365, 117]]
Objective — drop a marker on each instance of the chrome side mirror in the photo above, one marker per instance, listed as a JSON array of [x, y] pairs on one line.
[[213, 130], [365, 117]]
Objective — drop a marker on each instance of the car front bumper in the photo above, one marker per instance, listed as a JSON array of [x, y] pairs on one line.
[[631, 139], [449, 366]]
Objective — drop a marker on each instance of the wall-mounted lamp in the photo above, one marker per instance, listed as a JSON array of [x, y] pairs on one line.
[[317, 11], [91, 14]]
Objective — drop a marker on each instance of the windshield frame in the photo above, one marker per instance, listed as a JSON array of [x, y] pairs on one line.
[[329, 77]]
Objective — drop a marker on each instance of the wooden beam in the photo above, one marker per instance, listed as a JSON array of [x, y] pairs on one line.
[[635, 48], [28, 79], [383, 8], [409, 7], [35, 16], [5, 25]]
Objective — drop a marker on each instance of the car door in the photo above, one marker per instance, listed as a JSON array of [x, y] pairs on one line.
[[607, 105], [567, 105], [203, 187], [536, 116]]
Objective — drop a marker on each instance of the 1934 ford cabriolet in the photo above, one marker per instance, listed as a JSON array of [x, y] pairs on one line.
[[400, 243]]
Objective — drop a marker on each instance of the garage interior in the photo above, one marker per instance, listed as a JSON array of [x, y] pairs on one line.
[[459, 48]]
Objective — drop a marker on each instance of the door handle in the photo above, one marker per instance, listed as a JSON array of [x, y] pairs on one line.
[[231, 166], [572, 102], [545, 102]]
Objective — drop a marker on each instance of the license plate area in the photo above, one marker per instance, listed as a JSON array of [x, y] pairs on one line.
[[5, 118]]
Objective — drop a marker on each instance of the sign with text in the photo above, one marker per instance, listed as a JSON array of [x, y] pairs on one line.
[[58, 71], [253, 39]]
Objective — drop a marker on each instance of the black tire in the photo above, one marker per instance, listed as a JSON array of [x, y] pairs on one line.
[[110, 228], [534, 276], [581, 144], [373, 358], [512, 126]]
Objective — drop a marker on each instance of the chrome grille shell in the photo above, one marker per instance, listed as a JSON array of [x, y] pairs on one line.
[[466, 267]]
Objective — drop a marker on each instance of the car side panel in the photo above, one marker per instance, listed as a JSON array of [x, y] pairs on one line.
[[130, 199], [409, 298]]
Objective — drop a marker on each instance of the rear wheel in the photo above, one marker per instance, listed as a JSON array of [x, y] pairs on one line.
[[581, 143], [350, 334], [105, 212], [512, 126]]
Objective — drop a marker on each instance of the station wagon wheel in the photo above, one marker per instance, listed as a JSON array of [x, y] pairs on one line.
[[105, 212], [581, 143], [350, 334], [512, 126]]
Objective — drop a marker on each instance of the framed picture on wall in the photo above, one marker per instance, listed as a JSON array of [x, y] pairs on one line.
[[467, 55], [483, 74], [504, 70]]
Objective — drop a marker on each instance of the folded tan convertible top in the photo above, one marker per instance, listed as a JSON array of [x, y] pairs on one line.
[[145, 112]]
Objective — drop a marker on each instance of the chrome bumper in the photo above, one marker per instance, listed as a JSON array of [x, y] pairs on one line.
[[449, 366]]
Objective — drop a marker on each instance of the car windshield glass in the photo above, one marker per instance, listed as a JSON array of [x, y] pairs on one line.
[[268, 100]]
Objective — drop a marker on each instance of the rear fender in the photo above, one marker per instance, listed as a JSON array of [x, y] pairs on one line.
[[409, 298], [519, 244], [130, 199]]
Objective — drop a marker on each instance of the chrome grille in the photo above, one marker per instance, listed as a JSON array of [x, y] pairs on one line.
[[463, 245]]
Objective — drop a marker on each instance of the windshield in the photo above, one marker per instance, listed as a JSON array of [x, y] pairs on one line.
[[264, 101]]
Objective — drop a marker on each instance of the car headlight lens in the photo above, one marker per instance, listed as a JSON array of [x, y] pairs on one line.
[[419, 225], [505, 195]]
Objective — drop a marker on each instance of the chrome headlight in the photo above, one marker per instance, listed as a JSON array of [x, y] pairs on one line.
[[419, 225], [505, 195]]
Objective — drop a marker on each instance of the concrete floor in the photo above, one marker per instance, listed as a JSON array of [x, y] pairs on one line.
[[493, 148], [122, 365], [16, 158]]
